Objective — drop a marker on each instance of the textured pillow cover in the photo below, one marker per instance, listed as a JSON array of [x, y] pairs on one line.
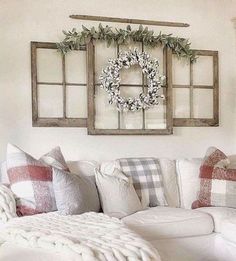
[[217, 181], [147, 179], [117, 194], [75, 194], [31, 180], [187, 171], [55, 159]]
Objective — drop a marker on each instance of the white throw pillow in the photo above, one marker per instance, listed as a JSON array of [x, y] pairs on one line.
[[117, 194], [188, 180], [168, 169]]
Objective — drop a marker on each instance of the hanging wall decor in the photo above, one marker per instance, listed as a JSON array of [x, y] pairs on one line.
[[105, 119], [140, 70], [59, 92], [73, 39], [110, 81]]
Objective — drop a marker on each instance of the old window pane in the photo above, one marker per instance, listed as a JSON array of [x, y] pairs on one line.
[[181, 103], [76, 101], [76, 67], [50, 101], [49, 65], [203, 103]]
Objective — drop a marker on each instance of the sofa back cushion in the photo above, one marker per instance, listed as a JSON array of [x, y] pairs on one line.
[[188, 180]]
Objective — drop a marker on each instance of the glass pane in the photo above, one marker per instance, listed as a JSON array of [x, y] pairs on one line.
[[203, 71], [156, 53], [130, 91], [132, 75], [76, 105], [181, 71], [102, 55], [50, 99], [181, 103], [202, 103], [106, 114], [49, 65], [76, 67], [132, 120], [155, 118]]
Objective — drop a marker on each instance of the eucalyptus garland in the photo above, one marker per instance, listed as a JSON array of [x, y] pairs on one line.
[[110, 81], [73, 39]]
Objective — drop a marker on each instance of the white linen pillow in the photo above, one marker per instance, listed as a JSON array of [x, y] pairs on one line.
[[168, 169], [188, 180], [74, 194], [117, 194]]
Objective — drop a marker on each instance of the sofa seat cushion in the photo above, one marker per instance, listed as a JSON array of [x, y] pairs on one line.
[[165, 222], [228, 229], [219, 214]]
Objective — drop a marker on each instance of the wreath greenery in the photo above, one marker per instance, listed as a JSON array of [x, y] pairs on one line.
[[73, 39], [110, 81]]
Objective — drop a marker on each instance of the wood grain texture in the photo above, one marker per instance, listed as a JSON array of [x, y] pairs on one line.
[[91, 87], [191, 91], [200, 122], [34, 90], [64, 84], [127, 20], [216, 88], [60, 122], [169, 98]]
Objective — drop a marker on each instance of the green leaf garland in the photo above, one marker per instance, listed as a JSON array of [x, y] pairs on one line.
[[73, 39]]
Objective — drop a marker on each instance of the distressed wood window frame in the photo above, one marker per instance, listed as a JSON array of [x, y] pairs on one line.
[[51, 121], [202, 122], [91, 99], [90, 121]]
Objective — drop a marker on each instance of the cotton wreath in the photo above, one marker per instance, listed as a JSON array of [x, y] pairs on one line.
[[110, 81]]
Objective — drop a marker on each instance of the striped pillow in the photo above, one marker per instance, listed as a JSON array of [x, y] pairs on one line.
[[31, 182], [217, 181]]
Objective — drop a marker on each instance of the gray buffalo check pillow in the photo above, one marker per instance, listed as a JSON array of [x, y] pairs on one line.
[[147, 179]]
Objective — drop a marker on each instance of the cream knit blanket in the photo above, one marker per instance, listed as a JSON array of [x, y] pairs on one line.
[[91, 236], [7, 204]]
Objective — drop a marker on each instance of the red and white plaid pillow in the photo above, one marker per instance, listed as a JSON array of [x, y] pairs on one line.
[[31, 180], [217, 181]]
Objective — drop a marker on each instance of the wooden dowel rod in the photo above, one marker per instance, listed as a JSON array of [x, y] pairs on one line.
[[127, 20]]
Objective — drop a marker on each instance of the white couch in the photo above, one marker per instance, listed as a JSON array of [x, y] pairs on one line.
[[179, 233]]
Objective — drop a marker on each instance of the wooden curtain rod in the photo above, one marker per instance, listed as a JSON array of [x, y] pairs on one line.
[[127, 20]]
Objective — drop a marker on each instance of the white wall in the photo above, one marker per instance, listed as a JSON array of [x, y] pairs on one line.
[[42, 20]]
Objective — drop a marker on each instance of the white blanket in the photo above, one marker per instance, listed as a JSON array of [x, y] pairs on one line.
[[92, 236], [7, 204]]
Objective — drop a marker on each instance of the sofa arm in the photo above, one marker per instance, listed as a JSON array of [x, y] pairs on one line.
[[7, 204]]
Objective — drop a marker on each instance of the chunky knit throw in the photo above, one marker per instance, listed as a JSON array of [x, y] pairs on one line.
[[91, 236]]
